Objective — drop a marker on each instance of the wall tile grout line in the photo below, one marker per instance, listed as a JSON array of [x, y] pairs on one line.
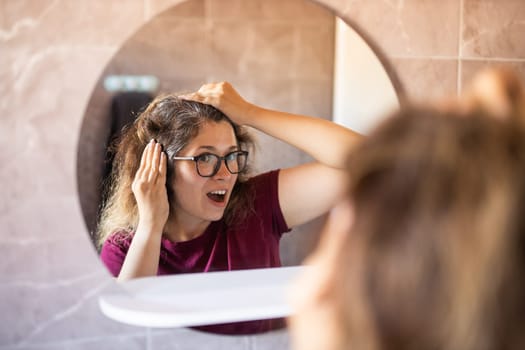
[[147, 10], [460, 46], [465, 58], [149, 344], [71, 342], [250, 343]]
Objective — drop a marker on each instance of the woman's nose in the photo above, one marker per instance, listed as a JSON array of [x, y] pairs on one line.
[[223, 172]]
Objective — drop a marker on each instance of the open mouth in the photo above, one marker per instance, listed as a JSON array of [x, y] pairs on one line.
[[217, 196]]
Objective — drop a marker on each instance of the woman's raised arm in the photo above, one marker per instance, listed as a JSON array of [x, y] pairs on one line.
[[306, 191]]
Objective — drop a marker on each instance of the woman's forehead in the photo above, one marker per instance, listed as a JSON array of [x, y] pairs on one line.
[[218, 135]]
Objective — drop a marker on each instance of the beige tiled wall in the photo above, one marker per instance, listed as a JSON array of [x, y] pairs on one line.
[[52, 53]]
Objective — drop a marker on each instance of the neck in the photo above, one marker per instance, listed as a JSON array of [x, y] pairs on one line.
[[179, 229]]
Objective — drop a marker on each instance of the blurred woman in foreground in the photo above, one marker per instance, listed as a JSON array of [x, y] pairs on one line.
[[427, 251]]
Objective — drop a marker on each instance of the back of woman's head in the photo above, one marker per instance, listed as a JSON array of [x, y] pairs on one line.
[[438, 203], [173, 122]]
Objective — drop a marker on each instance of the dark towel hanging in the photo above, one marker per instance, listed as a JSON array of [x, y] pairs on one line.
[[125, 107]]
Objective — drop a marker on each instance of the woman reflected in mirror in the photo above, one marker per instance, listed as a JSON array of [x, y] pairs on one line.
[[183, 197], [427, 250]]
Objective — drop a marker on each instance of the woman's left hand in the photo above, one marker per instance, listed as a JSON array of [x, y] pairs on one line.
[[225, 98]]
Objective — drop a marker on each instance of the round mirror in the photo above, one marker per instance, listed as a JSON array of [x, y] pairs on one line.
[[293, 55]]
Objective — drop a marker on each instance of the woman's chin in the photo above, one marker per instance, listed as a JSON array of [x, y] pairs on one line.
[[216, 210], [216, 215]]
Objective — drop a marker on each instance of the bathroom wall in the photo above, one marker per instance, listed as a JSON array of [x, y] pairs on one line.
[[51, 55]]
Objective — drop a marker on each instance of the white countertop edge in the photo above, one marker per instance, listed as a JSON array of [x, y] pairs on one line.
[[128, 310]]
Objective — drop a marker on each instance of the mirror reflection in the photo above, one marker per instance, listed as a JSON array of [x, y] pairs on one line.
[[188, 191]]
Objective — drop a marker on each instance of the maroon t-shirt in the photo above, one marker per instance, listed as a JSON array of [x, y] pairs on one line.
[[252, 243]]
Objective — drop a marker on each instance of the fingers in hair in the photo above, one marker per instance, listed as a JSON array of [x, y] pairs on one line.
[[162, 168], [154, 165], [143, 161]]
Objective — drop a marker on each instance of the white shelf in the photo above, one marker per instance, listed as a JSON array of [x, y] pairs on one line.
[[201, 298]]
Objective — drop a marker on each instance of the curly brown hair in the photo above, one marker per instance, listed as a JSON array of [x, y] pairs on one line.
[[173, 122]]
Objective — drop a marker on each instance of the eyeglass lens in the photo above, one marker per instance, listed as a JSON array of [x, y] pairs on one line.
[[209, 164]]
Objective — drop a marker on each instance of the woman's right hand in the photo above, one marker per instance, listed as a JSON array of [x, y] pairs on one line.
[[149, 188], [225, 98]]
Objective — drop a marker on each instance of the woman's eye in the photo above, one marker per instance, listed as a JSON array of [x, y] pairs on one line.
[[206, 158], [231, 156]]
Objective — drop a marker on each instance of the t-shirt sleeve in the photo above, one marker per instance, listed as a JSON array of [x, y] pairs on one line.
[[267, 200], [114, 252]]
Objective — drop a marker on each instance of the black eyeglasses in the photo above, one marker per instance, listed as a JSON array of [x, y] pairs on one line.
[[208, 164]]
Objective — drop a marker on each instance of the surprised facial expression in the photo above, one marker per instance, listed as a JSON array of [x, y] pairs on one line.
[[205, 198]]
